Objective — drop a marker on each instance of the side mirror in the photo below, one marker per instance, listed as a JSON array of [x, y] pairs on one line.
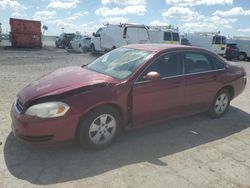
[[93, 34], [152, 76]]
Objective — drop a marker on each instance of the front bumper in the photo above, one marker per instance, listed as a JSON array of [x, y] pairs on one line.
[[50, 130]]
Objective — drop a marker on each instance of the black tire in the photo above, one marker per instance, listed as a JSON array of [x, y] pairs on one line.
[[242, 56], [214, 110], [84, 135], [93, 51], [84, 49]]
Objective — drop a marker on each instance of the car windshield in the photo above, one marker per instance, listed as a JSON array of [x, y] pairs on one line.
[[119, 63]]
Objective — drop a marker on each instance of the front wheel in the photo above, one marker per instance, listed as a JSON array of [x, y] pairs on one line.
[[100, 128], [220, 104]]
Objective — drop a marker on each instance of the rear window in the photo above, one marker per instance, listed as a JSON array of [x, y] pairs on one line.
[[176, 37], [231, 46], [167, 36], [69, 35]]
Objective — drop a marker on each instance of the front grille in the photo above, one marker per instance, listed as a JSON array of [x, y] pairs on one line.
[[19, 106]]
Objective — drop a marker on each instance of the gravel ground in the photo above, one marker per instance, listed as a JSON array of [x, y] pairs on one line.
[[190, 152]]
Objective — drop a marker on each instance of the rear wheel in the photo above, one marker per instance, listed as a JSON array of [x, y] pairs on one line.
[[220, 104], [100, 128], [242, 56], [93, 51]]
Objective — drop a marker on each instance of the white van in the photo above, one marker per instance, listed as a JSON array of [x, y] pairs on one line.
[[243, 43], [210, 41], [164, 34], [113, 36]]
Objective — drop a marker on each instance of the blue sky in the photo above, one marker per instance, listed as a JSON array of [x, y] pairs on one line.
[[231, 17]]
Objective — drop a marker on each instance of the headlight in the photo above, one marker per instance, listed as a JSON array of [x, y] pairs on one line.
[[48, 109]]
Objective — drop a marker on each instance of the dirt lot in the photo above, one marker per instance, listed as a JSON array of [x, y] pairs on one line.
[[191, 152]]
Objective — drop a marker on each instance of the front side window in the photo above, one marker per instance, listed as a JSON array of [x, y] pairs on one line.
[[196, 62], [167, 65], [119, 63], [217, 40]]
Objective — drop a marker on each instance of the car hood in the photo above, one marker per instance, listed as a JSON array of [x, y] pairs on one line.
[[61, 81]]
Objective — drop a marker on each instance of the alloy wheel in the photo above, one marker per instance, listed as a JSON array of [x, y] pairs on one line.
[[102, 129], [221, 103]]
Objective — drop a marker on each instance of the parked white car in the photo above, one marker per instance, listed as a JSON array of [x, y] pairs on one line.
[[210, 41], [243, 43], [111, 36], [164, 34], [80, 43]]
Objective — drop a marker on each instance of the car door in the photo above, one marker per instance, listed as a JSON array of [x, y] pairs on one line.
[[132, 35], [159, 99], [142, 35], [201, 82], [74, 42]]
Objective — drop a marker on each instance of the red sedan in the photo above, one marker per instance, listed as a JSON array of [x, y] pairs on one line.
[[126, 88]]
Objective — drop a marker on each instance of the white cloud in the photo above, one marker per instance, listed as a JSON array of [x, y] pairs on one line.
[[122, 7], [198, 2], [18, 15], [236, 11], [245, 30], [115, 20], [208, 24], [71, 27], [182, 12], [45, 15], [124, 2], [158, 23], [136, 9], [76, 16], [197, 26], [11, 4], [63, 4]]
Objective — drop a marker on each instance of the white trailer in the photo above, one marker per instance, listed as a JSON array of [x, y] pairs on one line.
[[113, 36], [164, 34], [210, 41], [243, 43]]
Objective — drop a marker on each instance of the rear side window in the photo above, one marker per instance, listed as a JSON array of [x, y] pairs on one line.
[[218, 63], [197, 62], [167, 36], [176, 37]]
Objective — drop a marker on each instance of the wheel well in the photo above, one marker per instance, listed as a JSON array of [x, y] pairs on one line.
[[244, 53], [115, 106], [231, 90]]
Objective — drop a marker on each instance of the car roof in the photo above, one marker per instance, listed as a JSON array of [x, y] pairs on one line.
[[161, 47]]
